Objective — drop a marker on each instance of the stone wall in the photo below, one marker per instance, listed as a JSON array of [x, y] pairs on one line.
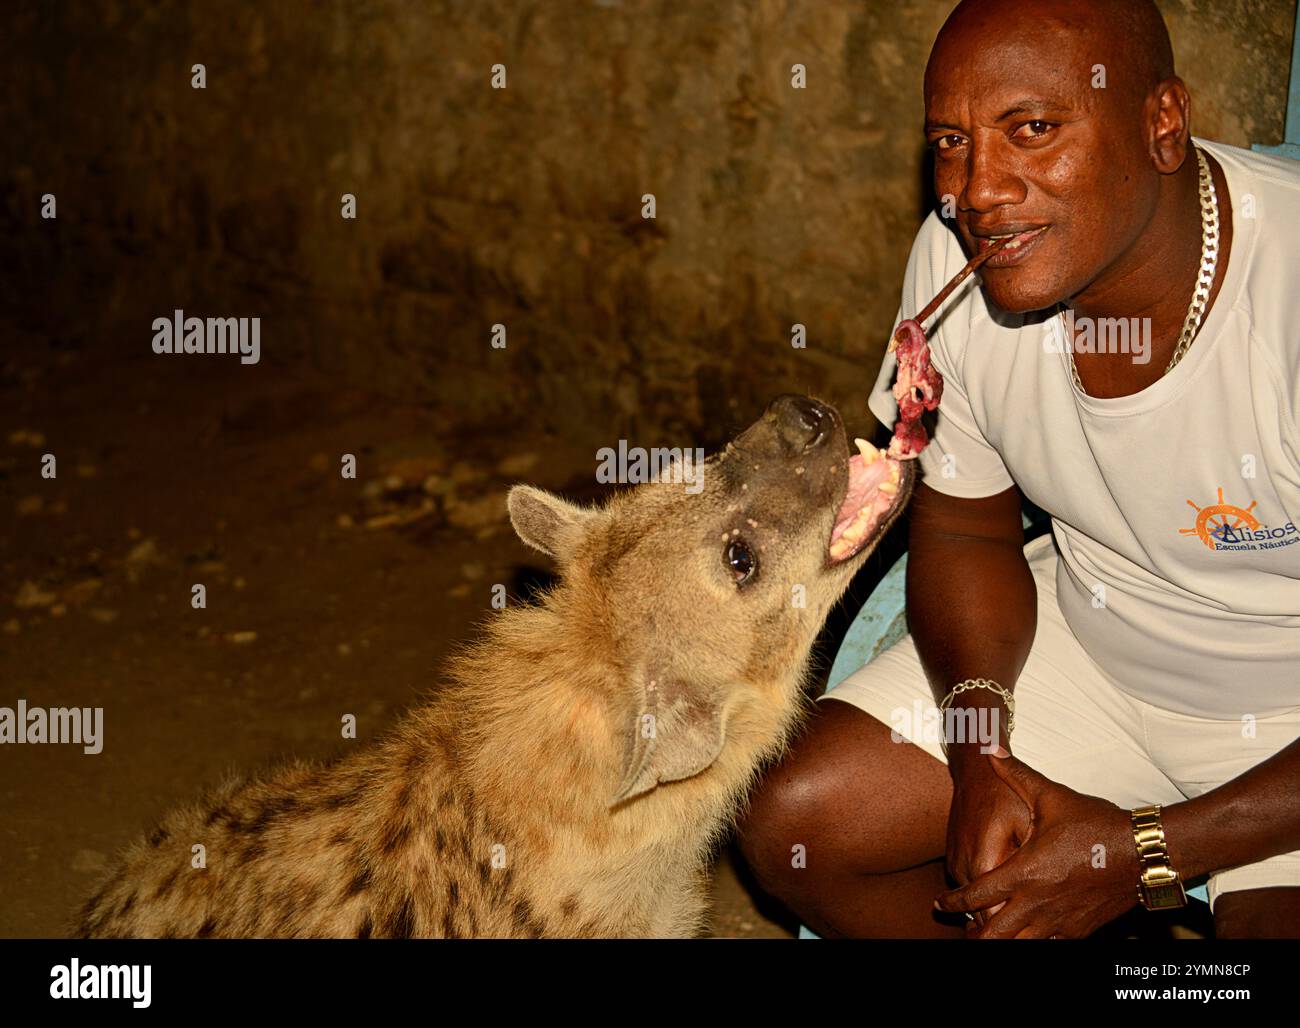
[[519, 206]]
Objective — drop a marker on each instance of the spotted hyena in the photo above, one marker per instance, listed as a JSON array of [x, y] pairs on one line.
[[581, 759]]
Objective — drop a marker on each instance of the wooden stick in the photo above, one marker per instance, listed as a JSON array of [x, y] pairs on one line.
[[959, 278]]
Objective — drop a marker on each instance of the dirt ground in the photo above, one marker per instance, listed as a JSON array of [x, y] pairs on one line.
[[324, 596]]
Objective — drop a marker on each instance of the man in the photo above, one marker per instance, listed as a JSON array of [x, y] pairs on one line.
[[1154, 662]]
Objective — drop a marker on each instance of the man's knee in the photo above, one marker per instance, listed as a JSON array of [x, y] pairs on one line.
[[823, 811], [1272, 913], [785, 814], [788, 816]]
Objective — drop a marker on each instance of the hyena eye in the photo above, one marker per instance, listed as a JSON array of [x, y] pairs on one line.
[[741, 561]]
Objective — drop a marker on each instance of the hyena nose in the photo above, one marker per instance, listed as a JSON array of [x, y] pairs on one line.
[[803, 421]]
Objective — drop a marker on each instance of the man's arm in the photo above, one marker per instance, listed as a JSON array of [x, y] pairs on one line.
[[1248, 819], [971, 603], [972, 611]]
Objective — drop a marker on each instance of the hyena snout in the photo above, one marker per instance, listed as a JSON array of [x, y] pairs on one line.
[[803, 424]]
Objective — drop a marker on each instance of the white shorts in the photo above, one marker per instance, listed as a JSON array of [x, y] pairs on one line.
[[1077, 728]]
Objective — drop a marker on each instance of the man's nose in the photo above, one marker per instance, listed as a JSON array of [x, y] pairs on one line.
[[990, 179], [802, 421]]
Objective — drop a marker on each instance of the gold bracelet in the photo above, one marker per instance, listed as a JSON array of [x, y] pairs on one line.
[[984, 683]]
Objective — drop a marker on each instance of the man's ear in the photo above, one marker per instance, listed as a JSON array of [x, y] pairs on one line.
[[547, 522], [677, 731]]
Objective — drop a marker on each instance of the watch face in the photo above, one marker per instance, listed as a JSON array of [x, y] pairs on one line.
[[1165, 897]]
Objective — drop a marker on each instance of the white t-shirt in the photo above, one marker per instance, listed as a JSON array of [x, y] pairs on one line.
[[1177, 609]]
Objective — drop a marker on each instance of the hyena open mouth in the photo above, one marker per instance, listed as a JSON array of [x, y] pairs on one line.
[[878, 486]]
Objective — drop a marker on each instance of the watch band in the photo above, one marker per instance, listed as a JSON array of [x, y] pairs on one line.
[[1159, 886]]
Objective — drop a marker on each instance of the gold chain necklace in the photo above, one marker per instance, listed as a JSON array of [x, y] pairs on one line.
[[1204, 279]]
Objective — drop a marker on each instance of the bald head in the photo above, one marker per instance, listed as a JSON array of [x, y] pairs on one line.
[[1128, 37], [1060, 115]]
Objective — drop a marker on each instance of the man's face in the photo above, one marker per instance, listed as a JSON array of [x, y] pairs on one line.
[[1024, 140]]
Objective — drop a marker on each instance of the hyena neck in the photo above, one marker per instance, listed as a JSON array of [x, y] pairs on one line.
[[542, 720]]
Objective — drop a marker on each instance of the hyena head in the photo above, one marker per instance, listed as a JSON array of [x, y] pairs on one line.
[[706, 595]]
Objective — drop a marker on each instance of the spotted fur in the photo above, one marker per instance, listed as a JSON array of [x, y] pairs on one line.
[[526, 799]]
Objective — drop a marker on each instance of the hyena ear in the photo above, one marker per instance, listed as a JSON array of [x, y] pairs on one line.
[[677, 733], [545, 521]]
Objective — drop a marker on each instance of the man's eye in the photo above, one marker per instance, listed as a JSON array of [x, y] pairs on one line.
[[741, 560], [946, 142], [1037, 129]]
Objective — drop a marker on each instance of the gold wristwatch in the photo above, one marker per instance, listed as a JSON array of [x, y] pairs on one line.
[[1159, 885]]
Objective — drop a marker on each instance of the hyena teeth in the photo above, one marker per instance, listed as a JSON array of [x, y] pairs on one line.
[[869, 453]]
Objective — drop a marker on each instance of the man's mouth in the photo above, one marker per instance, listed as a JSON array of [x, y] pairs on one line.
[[876, 485], [1021, 246]]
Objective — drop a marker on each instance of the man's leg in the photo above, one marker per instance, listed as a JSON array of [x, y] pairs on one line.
[[1260, 900], [1272, 913], [871, 816], [872, 813]]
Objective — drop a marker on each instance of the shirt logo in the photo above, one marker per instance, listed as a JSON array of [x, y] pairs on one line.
[[1225, 526]]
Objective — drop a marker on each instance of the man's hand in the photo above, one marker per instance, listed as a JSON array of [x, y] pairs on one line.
[[1075, 870], [987, 820]]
